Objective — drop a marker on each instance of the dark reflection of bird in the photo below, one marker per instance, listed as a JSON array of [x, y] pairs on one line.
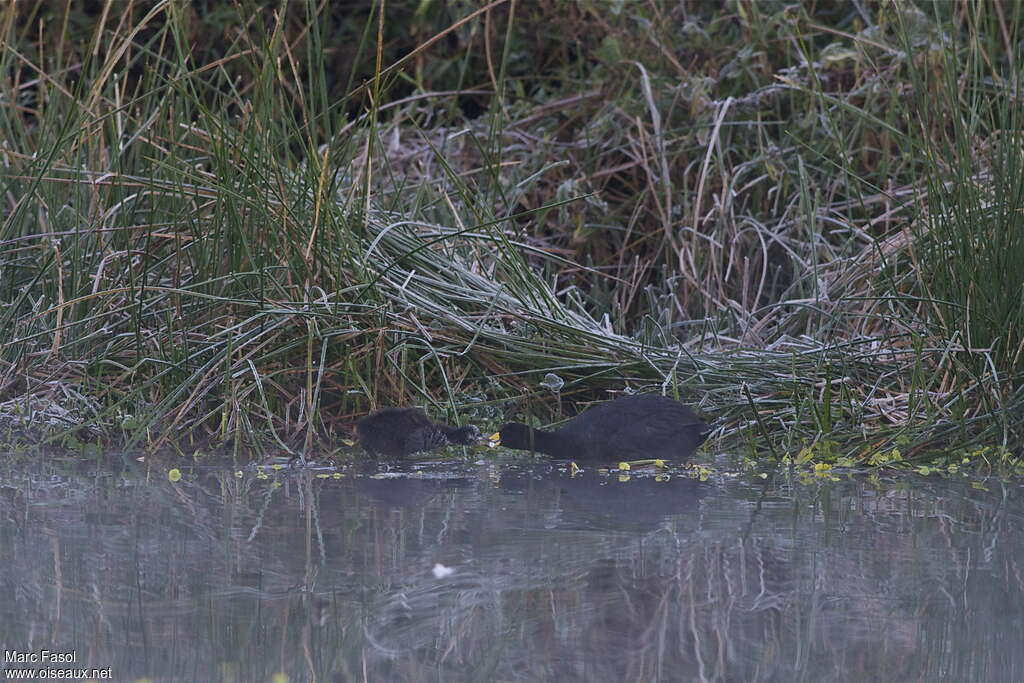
[[396, 432], [594, 499], [646, 426]]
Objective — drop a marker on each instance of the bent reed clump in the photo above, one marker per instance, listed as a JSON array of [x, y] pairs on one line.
[[258, 228]]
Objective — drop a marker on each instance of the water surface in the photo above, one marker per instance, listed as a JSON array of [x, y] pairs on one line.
[[463, 571]]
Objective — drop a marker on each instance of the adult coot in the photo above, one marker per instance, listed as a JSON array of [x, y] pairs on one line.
[[647, 426], [396, 432]]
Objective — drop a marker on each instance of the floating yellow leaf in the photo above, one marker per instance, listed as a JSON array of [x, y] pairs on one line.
[[174, 475]]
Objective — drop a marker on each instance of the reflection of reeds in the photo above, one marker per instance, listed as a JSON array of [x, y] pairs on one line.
[[876, 580], [683, 605], [210, 250]]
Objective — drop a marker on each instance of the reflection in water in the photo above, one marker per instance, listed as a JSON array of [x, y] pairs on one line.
[[237, 576]]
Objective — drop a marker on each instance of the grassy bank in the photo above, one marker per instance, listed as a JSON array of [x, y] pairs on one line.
[[239, 223]]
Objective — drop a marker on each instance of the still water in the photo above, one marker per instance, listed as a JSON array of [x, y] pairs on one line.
[[505, 571]]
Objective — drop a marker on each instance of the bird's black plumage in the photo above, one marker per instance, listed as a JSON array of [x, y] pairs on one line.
[[397, 432], [645, 426]]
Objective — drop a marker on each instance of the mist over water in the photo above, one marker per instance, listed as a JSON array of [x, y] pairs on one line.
[[461, 571]]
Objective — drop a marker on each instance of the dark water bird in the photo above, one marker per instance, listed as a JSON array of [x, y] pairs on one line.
[[645, 426], [397, 432]]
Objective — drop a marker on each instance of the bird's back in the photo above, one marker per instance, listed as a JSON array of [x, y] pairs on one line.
[[647, 425], [388, 430]]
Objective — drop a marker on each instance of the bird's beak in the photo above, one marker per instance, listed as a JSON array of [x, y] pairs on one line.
[[494, 440]]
